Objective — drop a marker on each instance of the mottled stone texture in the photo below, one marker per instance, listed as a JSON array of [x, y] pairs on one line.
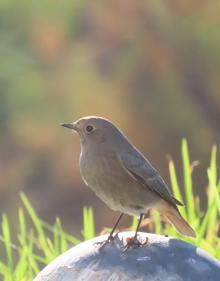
[[162, 259]]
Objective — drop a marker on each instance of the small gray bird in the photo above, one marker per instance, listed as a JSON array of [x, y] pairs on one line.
[[121, 176]]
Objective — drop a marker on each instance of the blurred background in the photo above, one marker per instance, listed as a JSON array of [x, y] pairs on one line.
[[152, 67]]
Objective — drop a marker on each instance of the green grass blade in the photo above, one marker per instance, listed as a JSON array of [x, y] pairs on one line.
[[4, 271], [88, 223], [62, 237], [7, 241], [22, 266], [213, 163], [70, 238], [157, 222], [212, 174], [22, 226], [188, 182], [38, 226], [175, 186], [201, 232], [56, 239], [134, 223], [33, 266]]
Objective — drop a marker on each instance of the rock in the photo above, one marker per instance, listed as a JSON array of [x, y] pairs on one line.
[[162, 259]]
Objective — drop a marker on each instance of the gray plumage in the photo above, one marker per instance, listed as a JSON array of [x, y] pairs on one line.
[[120, 175]]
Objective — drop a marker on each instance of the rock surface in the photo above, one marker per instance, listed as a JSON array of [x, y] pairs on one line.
[[162, 259]]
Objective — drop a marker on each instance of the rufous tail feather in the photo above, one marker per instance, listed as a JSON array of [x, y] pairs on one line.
[[177, 220]]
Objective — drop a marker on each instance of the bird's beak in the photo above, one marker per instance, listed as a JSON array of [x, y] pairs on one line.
[[71, 126]]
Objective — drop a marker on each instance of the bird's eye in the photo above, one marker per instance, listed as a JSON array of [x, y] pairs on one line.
[[89, 128]]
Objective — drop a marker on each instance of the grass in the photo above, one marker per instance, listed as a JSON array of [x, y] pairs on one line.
[[38, 242]]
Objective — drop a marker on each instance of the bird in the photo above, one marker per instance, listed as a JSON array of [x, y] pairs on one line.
[[121, 176]]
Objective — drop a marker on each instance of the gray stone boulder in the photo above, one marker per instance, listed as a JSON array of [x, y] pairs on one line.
[[162, 259]]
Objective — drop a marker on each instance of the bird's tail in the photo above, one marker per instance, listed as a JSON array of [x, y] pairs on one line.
[[177, 220]]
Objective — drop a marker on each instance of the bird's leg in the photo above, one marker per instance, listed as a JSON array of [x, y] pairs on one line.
[[134, 240], [136, 232], [111, 236]]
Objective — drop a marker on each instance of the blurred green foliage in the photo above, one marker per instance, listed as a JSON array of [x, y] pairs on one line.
[[150, 66]]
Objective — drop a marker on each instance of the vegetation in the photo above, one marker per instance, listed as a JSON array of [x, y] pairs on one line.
[[206, 224], [38, 243]]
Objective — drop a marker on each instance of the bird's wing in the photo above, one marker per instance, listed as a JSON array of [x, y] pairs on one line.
[[140, 169]]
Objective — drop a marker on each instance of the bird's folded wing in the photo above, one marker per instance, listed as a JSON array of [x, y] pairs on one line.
[[140, 169]]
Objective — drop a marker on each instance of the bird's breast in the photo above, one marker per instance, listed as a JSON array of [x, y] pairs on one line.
[[101, 170], [113, 185], [105, 176]]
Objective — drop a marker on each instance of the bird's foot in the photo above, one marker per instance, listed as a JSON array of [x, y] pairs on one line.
[[133, 242], [110, 238]]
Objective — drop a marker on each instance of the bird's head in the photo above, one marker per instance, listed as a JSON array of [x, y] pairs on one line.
[[95, 130]]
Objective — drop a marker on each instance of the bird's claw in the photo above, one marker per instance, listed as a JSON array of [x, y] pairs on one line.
[[133, 242], [110, 238]]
